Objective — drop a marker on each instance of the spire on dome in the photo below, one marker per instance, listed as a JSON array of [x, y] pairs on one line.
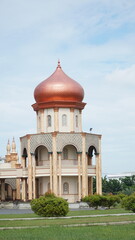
[[58, 64], [8, 148], [13, 146]]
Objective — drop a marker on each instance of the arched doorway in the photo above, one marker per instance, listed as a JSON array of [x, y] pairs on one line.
[[69, 155], [41, 156], [25, 156], [92, 152]]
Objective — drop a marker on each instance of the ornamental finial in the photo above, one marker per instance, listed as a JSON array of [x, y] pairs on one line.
[[58, 64]]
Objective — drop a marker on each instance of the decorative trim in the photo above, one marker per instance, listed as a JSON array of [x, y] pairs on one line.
[[58, 104]]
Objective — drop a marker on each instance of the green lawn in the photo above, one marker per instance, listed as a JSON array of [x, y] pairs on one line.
[[60, 222], [71, 213], [119, 232]]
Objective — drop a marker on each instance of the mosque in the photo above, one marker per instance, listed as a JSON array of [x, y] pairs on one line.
[[59, 157]]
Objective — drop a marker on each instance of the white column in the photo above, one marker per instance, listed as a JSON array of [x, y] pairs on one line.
[[42, 120], [59, 158], [3, 189], [29, 171], [79, 176], [71, 119], [55, 186], [56, 120], [80, 120], [84, 169], [24, 189], [51, 171], [33, 176]]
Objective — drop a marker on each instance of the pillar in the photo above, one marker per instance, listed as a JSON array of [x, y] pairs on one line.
[[100, 168], [33, 176], [98, 174], [84, 168], [80, 120], [14, 195], [79, 175], [90, 185], [42, 120], [29, 172], [55, 186], [71, 119], [51, 171], [59, 159], [2, 189], [23, 160], [56, 120], [18, 188], [24, 189]]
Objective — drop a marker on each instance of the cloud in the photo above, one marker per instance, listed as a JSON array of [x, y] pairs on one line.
[[124, 76]]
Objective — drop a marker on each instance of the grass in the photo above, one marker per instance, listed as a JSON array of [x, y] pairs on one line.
[[123, 232], [55, 231], [71, 213], [60, 222]]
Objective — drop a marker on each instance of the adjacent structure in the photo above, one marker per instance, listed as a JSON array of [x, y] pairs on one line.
[[59, 157]]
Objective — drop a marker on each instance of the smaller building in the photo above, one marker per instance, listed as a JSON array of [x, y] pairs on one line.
[[59, 157]]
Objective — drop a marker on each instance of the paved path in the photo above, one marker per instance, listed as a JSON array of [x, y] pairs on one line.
[[15, 211]]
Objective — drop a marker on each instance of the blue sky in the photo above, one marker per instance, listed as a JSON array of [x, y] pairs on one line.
[[95, 41]]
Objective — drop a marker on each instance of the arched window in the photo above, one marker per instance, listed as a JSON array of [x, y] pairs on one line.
[[64, 120], [65, 188], [65, 153], [49, 121], [76, 120]]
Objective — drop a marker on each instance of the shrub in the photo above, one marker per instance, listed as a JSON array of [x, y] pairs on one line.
[[93, 200], [128, 203], [50, 206], [112, 200], [104, 201]]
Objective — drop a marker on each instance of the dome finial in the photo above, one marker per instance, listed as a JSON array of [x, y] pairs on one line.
[[58, 64]]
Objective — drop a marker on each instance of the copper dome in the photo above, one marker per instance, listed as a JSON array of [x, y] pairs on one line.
[[58, 90]]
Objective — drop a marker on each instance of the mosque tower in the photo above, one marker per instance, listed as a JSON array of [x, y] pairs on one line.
[[59, 157]]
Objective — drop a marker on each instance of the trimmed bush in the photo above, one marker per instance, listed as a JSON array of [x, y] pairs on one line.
[[128, 203], [104, 201], [111, 200], [93, 200], [50, 206]]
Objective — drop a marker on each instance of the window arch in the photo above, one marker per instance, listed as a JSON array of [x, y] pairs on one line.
[[64, 120], [65, 153], [76, 120], [49, 121], [65, 188]]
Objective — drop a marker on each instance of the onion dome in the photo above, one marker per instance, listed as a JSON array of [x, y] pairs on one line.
[[58, 90]]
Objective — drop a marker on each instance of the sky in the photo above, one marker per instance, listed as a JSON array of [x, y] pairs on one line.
[[95, 42]]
